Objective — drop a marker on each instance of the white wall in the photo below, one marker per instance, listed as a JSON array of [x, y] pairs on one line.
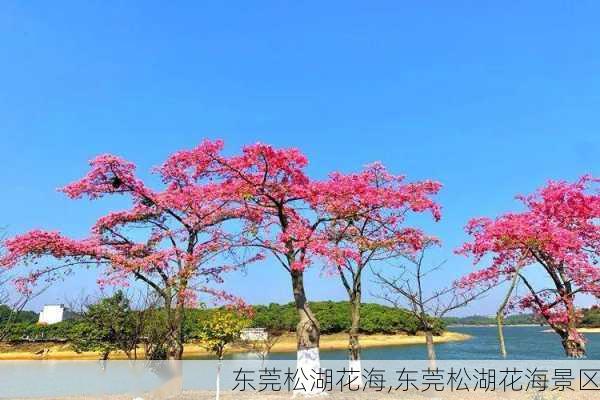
[[51, 314]]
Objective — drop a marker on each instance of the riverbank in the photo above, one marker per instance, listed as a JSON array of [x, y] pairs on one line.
[[489, 325], [589, 330], [580, 330], [339, 341], [287, 343]]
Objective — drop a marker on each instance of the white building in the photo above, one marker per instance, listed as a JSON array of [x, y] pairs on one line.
[[254, 334], [52, 314]]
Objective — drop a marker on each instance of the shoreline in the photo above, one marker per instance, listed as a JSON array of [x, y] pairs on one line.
[[490, 325], [589, 330], [339, 341], [287, 344], [580, 330], [546, 328]]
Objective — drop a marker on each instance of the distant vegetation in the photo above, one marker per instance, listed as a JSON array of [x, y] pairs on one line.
[[334, 317], [7, 314], [590, 319], [518, 319]]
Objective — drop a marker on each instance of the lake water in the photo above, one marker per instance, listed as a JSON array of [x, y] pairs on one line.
[[522, 342], [56, 378]]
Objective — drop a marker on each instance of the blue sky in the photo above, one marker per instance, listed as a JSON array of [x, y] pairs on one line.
[[490, 98]]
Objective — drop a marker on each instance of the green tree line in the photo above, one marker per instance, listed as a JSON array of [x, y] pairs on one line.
[[7, 314], [333, 316], [590, 319]]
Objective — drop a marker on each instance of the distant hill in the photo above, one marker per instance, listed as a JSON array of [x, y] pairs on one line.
[[590, 319], [517, 319]]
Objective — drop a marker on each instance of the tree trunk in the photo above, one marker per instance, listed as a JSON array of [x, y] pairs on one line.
[[354, 344], [175, 350], [430, 348], [574, 346], [218, 382], [175, 335], [307, 330], [572, 341], [307, 334], [353, 338], [501, 312], [500, 323], [174, 341]]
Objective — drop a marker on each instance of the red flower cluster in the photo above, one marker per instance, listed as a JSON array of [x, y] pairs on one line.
[[559, 232]]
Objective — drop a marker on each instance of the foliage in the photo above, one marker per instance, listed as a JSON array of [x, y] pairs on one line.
[[153, 327], [7, 313], [559, 232], [335, 318], [365, 215], [182, 231], [219, 328], [518, 319], [29, 331], [274, 317], [106, 327], [591, 317], [171, 239], [271, 186]]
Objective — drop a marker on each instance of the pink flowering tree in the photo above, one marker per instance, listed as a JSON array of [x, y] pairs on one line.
[[558, 233], [365, 216], [270, 185], [171, 240]]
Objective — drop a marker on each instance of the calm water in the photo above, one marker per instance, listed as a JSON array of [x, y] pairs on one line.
[[522, 342], [55, 378]]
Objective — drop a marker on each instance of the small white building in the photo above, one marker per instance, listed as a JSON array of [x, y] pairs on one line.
[[254, 334], [52, 314]]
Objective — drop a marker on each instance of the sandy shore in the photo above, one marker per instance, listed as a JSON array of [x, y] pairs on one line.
[[580, 330], [589, 330], [286, 344]]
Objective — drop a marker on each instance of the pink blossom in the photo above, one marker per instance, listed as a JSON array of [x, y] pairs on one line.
[[558, 231]]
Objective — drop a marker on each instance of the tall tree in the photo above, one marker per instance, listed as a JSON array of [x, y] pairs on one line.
[[409, 288], [365, 216], [558, 233], [270, 185], [172, 240]]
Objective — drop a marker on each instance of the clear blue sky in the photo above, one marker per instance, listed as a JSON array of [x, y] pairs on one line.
[[490, 98]]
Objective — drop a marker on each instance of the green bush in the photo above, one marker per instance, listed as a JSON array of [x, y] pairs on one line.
[[28, 331], [7, 314], [334, 317], [591, 317]]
